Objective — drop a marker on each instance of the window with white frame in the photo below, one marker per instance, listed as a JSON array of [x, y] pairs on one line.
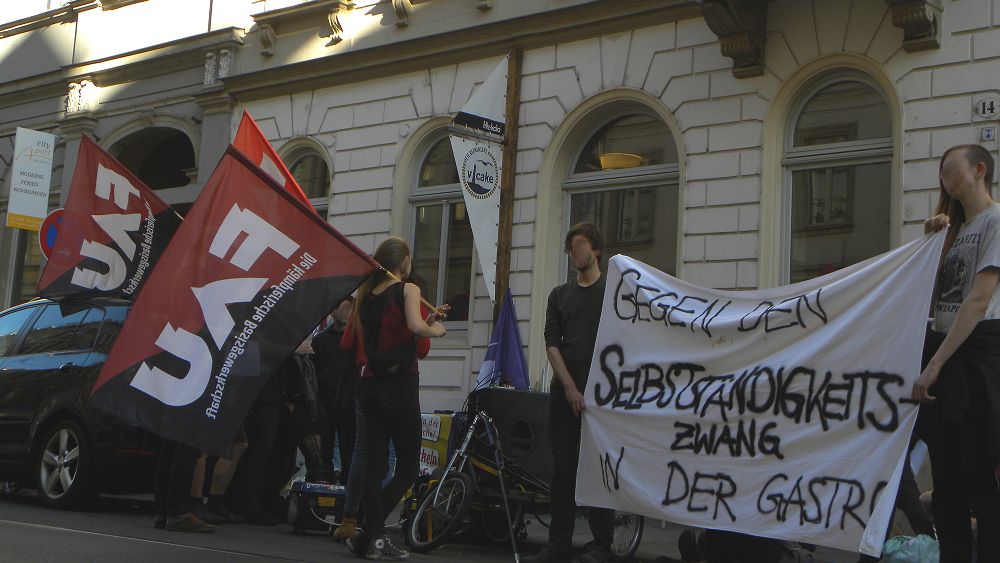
[[625, 181], [837, 177], [311, 172], [441, 233]]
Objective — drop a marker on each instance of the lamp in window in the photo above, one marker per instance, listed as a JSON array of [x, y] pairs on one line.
[[460, 212], [617, 160]]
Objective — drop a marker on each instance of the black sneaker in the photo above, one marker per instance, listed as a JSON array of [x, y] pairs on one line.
[[383, 549], [208, 515], [224, 512], [594, 553], [188, 523], [358, 543], [549, 554]]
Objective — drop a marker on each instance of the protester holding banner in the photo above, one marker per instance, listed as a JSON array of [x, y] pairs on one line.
[[571, 319], [960, 383], [384, 326]]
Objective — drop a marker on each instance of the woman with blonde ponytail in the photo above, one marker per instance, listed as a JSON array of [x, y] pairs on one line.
[[960, 382], [385, 325]]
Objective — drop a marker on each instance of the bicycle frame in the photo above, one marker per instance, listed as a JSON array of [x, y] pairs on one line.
[[461, 453]]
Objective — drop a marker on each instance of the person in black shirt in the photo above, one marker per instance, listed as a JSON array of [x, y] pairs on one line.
[[571, 319], [338, 376]]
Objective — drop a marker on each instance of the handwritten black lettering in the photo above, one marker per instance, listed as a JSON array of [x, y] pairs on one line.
[[610, 474], [719, 485]]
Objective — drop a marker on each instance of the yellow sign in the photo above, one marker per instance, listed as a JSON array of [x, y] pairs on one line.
[[27, 222]]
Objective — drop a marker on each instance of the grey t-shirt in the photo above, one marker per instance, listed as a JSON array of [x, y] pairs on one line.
[[976, 248]]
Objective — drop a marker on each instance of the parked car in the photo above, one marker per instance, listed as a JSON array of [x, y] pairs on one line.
[[50, 438]]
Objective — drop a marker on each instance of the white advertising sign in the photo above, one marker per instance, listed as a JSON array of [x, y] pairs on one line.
[[30, 178], [479, 168], [782, 412]]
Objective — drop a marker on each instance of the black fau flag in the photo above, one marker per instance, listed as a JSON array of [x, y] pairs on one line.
[[246, 278], [113, 232]]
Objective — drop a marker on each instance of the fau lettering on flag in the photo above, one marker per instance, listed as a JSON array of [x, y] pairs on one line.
[[113, 232], [249, 274], [250, 140]]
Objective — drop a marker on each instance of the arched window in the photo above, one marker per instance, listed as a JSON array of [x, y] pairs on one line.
[[625, 182], [161, 157], [312, 174], [838, 177], [441, 233]]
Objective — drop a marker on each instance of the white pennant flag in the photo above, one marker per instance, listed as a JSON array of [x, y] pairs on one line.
[[480, 165]]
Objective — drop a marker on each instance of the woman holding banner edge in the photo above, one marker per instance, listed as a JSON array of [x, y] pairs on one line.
[[960, 382], [384, 326]]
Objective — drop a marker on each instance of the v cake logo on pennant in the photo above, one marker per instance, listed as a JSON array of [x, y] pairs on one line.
[[479, 172]]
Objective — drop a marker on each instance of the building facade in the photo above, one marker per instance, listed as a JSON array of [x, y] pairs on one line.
[[733, 143]]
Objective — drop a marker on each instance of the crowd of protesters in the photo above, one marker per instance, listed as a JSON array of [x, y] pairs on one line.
[[355, 383], [352, 386]]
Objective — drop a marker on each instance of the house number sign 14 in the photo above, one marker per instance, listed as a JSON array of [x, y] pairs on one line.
[[986, 107]]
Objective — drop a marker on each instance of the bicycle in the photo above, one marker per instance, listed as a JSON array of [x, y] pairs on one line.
[[498, 490]]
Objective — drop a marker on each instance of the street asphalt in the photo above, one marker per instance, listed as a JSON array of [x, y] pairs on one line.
[[120, 528]]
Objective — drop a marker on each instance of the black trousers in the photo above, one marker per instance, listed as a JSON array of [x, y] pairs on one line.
[[174, 474], [964, 485], [391, 409], [342, 421], [965, 478], [262, 432], [564, 438]]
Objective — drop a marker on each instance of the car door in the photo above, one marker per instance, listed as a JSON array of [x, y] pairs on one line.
[[40, 375], [13, 323]]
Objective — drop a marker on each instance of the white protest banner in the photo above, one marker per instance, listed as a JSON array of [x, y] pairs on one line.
[[480, 164], [782, 412], [30, 178]]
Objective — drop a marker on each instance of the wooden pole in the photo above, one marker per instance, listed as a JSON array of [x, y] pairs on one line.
[[506, 225]]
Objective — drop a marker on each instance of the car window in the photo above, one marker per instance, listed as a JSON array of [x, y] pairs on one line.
[[10, 325], [114, 318], [53, 331], [86, 333]]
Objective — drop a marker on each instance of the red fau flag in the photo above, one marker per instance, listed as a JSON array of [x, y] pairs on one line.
[[250, 140], [247, 277], [113, 232]]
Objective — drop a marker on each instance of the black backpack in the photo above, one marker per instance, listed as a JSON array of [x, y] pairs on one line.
[[397, 360]]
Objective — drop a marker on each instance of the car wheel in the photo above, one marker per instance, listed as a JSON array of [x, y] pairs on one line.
[[63, 466], [9, 488]]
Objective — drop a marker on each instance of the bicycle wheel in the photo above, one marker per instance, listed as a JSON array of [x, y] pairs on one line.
[[493, 523], [440, 513], [627, 534]]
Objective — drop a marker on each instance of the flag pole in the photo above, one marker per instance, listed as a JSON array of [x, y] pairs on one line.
[[506, 224]]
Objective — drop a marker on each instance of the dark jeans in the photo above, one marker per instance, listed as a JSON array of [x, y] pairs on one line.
[[355, 481], [262, 433], [564, 438], [964, 485], [390, 407], [342, 421], [174, 474]]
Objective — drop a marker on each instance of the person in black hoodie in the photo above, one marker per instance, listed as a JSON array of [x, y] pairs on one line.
[[960, 383]]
